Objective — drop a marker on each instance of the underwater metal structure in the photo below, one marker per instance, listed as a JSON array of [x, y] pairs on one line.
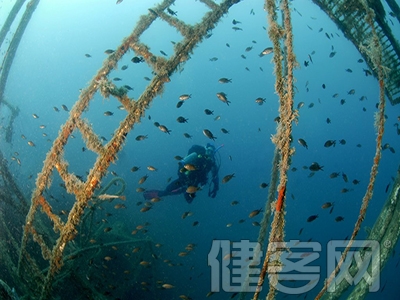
[[349, 16], [43, 228], [83, 191]]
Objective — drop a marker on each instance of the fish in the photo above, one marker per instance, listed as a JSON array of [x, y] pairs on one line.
[[124, 67], [171, 12], [367, 72], [260, 101], [303, 143], [224, 80], [32, 144], [35, 116], [236, 28], [187, 135], [185, 97], [108, 113], [144, 263], [214, 59], [119, 1], [164, 129], [334, 175], [109, 51], [315, 167], [117, 79], [146, 208], [88, 55], [186, 214], [107, 229], [327, 205], [135, 168], [208, 112], [328, 121], [235, 202], [339, 219], [181, 120], [228, 177], [120, 206], [266, 51], [155, 199], [330, 143], [209, 134], [143, 179], [223, 97], [234, 22], [179, 104], [163, 53], [129, 88], [137, 59], [190, 167], [263, 185], [107, 196], [312, 218], [64, 107], [192, 189], [141, 137], [167, 286], [332, 54], [345, 178], [255, 213], [56, 109], [300, 105], [223, 130]]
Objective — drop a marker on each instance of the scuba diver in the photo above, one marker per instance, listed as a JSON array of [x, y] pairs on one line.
[[192, 174]]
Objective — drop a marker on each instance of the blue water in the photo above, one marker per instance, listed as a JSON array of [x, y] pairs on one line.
[[50, 68]]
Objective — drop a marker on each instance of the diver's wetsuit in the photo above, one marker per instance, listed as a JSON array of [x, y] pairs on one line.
[[203, 161]]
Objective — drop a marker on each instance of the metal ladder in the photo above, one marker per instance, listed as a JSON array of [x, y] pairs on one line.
[[83, 191]]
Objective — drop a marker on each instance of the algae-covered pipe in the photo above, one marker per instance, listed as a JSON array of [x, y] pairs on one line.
[[386, 232]]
